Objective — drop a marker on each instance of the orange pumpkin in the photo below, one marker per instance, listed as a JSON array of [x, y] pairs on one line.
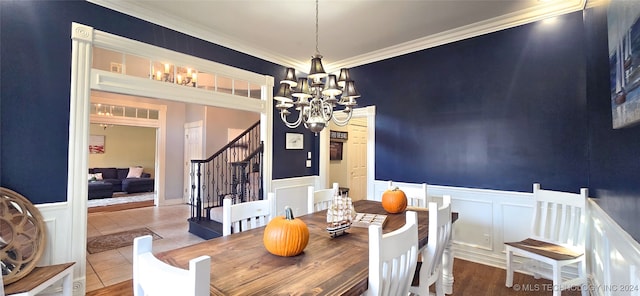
[[394, 200], [285, 235]]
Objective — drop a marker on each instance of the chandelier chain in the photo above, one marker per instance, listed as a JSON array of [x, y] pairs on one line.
[[317, 51]]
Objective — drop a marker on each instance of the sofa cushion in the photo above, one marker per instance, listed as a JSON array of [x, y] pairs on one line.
[[133, 185], [122, 173], [107, 173], [134, 172]]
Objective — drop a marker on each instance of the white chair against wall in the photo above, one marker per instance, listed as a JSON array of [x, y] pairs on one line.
[[393, 257], [416, 196], [557, 238], [318, 200], [429, 270], [154, 277], [247, 215]]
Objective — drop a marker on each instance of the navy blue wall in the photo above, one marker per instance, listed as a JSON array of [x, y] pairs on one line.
[[35, 54], [499, 111], [614, 162]]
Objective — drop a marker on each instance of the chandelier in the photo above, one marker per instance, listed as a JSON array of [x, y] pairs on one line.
[[316, 95]]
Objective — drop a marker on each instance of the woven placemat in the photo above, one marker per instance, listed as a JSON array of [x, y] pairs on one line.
[[116, 240]]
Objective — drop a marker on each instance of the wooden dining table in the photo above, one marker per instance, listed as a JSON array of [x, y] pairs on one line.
[[240, 264]]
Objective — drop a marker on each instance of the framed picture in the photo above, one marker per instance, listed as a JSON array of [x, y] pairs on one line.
[[624, 66], [96, 144], [335, 150], [294, 141]]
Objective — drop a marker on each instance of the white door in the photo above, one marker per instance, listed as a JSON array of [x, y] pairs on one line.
[[357, 158], [192, 150]]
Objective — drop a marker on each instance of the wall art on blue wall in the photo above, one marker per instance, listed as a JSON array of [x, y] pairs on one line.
[[624, 62], [294, 141]]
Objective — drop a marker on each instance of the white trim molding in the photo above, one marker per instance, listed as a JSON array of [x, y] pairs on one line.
[[68, 222], [506, 21], [612, 255]]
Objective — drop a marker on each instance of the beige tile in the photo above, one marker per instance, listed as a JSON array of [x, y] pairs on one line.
[[102, 256], [93, 282], [116, 274], [90, 269], [114, 266], [127, 253], [114, 261]]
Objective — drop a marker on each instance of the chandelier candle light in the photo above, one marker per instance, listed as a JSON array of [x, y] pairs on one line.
[[317, 95]]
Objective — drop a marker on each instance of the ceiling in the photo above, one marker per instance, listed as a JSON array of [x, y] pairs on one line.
[[351, 32]]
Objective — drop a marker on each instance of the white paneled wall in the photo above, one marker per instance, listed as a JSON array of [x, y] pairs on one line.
[[488, 218], [292, 192], [613, 258]]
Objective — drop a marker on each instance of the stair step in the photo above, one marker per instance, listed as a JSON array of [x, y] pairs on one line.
[[205, 229]]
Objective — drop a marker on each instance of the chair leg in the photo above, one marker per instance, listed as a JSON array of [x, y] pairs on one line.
[[557, 280], [509, 280], [439, 287], [582, 273]]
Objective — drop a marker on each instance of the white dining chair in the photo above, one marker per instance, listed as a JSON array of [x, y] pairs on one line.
[[429, 268], [247, 215], [393, 257], [318, 200], [416, 196], [557, 238], [154, 277]]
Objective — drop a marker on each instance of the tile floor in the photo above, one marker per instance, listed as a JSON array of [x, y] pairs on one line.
[[114, 266]]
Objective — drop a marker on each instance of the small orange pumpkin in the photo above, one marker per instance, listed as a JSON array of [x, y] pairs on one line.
[[285, 235], [394, 200]]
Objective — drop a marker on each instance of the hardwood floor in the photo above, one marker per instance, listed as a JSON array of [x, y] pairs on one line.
[[115, 266], [110, 272]]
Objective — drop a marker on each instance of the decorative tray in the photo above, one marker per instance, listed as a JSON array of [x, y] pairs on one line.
[[365, 219]]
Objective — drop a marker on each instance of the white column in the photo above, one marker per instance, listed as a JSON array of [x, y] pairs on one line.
[[81, 56]]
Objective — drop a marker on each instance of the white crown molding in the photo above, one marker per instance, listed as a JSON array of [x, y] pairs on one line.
[[476, 29], [133, 9], [480, 28]]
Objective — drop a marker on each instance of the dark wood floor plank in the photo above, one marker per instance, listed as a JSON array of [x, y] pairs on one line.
[[470, 279]]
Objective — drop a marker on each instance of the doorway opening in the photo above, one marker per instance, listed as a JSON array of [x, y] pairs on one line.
[[354, 169]]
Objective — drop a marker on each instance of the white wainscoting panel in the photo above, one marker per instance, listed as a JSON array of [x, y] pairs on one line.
[[613, 256], [474, 227], [292, 192], [56, 218], [516, 221], [486, 218]]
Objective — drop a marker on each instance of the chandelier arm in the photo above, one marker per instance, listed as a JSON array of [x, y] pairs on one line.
[[291, 124], [328, 111], [343, 122]]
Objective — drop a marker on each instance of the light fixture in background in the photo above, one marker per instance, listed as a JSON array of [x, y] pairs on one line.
[[103, 110], [316, 95], [179, 75]]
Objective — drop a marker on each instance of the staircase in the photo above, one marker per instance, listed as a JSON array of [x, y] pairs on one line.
[[234, 172]]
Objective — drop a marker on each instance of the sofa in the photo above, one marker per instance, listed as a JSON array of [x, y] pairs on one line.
[[129, 180]]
